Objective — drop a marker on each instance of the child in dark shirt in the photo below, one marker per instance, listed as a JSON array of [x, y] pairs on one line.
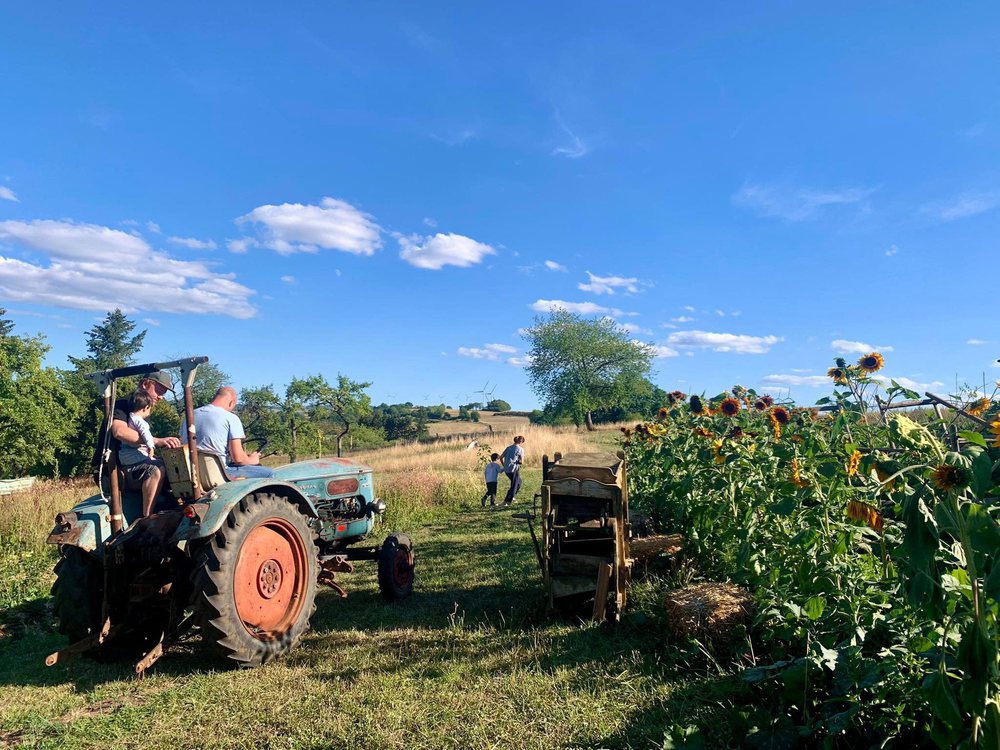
[[493, 469]]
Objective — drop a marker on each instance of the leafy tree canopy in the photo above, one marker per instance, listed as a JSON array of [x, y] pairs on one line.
[[579, 365]]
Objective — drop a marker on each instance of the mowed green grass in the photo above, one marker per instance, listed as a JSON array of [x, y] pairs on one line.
[[472, 660]]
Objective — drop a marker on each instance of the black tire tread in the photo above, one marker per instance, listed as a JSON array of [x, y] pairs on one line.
[[212, 577]]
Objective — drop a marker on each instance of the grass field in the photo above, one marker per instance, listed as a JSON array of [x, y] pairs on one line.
[[470, 661], [487, 419]]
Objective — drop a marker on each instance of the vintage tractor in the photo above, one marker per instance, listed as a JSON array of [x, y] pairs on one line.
[[240, 559]]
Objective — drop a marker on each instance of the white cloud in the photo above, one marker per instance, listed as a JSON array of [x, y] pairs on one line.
[[975, 342], [608, 284], [811, 381], [662, 352], [910, 383], [891, 251], [92, 267], [575, 147], [430, 222], [153, 227], [794, 204], [502, 348], [151, 321], [668, 325], [8, 195], [296, 228], [842, 346], [720, 313], [192, 243], [239, 246], [964, 205], [288, 279], [682, 319], [632, 328], [433, 253], [524, 361], [553, 266], [723, 342], [493, 352], [580, 308]]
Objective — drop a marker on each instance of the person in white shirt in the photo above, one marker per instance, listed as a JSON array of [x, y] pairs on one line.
[[492, 474], [137, 459]]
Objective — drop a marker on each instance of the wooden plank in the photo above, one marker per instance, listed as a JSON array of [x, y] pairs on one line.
[[601, 595], [648, 546]]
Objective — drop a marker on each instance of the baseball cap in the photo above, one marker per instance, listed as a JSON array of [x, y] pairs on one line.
[[159, 376]]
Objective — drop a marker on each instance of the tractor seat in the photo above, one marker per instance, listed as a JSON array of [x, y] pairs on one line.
[[211, 471]]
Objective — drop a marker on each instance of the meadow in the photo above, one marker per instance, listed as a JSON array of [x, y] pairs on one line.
[[471, 660]]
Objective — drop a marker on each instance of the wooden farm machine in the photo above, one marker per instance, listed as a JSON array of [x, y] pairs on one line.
[[584, 543]]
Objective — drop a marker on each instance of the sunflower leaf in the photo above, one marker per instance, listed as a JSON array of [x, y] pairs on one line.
[[973, 437]]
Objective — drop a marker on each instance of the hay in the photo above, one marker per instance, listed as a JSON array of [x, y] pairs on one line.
[[707, 610]]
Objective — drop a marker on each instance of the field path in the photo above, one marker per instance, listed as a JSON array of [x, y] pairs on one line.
[[470, 661]]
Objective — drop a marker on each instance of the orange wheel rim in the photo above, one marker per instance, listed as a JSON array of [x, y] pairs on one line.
[[270, 579]]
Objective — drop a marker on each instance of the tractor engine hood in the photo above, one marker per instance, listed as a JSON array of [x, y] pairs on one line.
[[320, 467]]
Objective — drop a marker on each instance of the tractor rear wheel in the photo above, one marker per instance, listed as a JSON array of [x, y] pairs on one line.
[[77, 593], [395, 568], [255, 581]]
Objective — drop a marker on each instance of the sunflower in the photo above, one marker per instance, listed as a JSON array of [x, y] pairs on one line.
[[995, 433], [853, 462], [768, 400], [759, 405], [664, 411], [717, 451], [702, 432], [697, 406], [775, 426], [865, 513], [883, 473], [657, 429], [839, 375], [978, 407], [797, 479], [735, 434], [871, 362], [674, 396], [730, 407], [947, 477], [780, 414]]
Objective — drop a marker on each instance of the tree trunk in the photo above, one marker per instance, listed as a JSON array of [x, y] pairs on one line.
[[293, 453], [590, 422], [340, 440]]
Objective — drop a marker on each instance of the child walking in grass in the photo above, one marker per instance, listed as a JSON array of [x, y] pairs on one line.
[[492, 473]]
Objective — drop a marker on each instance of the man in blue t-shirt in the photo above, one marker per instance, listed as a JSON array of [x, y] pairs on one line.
[[219, 431]]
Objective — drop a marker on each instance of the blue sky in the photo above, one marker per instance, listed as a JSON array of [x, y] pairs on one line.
[[393, 190]]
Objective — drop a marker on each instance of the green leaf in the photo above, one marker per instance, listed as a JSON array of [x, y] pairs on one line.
[[941, 698], [990, 736], [814, 607], [849, 448], [984, 532], [973, 437], [982, 474], [992, 585], [785, 507]]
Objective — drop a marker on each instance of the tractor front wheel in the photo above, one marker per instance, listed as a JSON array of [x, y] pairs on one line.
[[255, 581], [395, 568]]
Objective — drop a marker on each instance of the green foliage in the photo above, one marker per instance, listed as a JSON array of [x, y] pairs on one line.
[[874, 568], [110, 343], [498, 404], [165, 420], [37, 410], [579, 365]]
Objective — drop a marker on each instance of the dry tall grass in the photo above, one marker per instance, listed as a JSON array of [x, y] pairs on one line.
[[458, 455]]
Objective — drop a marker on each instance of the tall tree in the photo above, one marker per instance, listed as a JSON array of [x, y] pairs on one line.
[[37, 412], [110, 343], [344, 404], [579, 365]]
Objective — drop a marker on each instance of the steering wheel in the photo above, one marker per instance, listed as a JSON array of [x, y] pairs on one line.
[[261, 448]]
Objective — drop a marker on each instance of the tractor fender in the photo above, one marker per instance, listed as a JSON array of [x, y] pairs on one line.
[[214, 508], [87, 526]]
